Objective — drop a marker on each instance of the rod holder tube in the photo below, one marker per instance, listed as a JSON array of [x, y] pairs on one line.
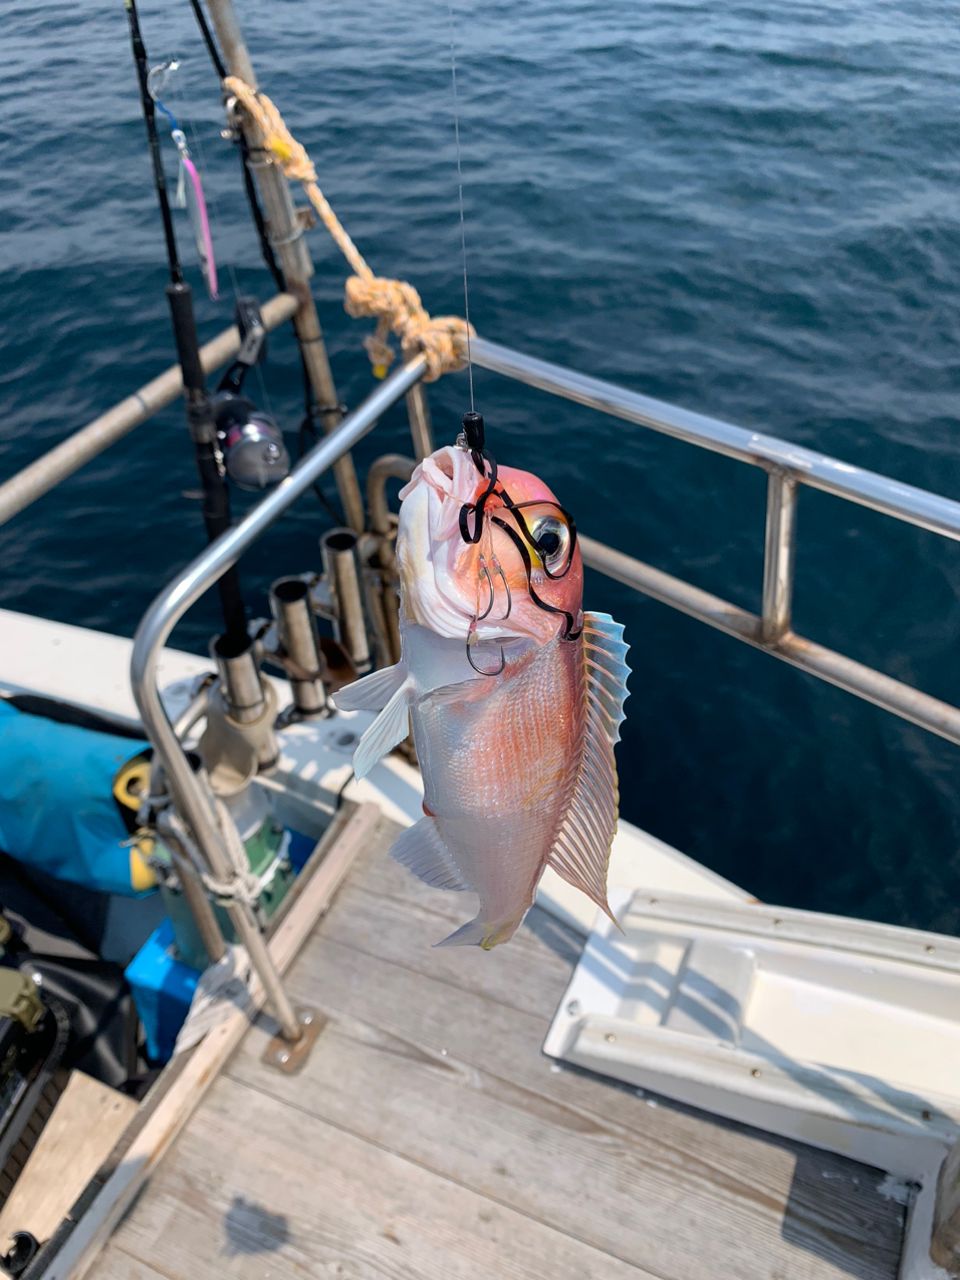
[[390, 466], [239, 677], [299, 643], [418, 414], [338, 548], [778, 556]]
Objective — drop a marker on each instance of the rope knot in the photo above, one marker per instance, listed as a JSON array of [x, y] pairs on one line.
[[399, 310], [395, 304], [277, 138]]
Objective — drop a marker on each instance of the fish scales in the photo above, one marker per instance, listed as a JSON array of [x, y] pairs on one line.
[[497, 768]]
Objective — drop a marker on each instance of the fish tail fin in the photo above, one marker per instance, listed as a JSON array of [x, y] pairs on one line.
[[482, 933]]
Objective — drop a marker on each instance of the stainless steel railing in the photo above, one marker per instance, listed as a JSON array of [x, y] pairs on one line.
[[866, 488], [789, 467], [191, 797]]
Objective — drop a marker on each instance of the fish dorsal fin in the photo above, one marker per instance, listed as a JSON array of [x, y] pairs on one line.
[[581, 851], [388, 730], [372, 692], [421, 850]]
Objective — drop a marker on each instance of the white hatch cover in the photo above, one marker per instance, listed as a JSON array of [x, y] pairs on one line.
[[841, 1033]]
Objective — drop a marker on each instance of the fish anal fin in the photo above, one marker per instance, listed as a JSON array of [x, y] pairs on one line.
[[421, 850], [581, 850], [372, 692], [388, 730]]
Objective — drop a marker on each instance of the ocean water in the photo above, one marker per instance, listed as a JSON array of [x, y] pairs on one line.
[[749, 209]]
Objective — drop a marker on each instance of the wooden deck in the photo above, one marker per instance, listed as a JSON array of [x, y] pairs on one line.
[[427, 1138]]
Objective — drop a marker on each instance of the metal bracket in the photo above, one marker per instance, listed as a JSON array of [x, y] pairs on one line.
[[290, 1056], [253, 335]]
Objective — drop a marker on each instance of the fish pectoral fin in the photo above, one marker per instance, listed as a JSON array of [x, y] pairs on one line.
[[372, 692], [421, 850], [388, 730], [581, 851]]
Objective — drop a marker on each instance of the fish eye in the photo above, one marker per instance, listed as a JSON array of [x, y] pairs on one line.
[[551, 537]]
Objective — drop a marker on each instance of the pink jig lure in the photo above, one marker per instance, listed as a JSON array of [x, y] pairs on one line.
[[189, 194]]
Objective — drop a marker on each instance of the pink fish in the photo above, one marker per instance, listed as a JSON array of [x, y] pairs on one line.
[[514, 694]]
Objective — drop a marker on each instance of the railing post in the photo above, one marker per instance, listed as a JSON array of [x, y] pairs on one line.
[[418, 411], [778, 556]]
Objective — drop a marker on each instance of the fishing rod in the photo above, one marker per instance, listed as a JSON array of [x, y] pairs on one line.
[[201, 420], [308, 434]]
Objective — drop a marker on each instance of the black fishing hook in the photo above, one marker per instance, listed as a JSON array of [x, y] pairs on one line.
[[477, 508], [485, 573], [473, 438], [471, 641], [539, 544], [497, 569]]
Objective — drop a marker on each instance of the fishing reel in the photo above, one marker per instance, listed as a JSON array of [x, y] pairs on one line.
[[253, 448]]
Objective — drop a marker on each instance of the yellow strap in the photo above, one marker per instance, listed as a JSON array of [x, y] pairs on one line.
[[395, 303]]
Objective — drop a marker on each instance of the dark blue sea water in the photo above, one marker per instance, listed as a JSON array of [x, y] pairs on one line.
[[750, 209]]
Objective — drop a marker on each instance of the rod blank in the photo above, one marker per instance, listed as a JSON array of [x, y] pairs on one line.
[[341, 567]]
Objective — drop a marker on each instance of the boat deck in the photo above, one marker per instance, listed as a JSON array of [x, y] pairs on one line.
[[428, 1138]]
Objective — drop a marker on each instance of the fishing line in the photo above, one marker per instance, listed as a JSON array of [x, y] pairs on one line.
[[463, 224]]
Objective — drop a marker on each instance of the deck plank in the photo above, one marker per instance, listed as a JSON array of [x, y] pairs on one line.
[[116, 1264], [298, 1197], [428, 1082], [524, 976], [468, 1094]]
